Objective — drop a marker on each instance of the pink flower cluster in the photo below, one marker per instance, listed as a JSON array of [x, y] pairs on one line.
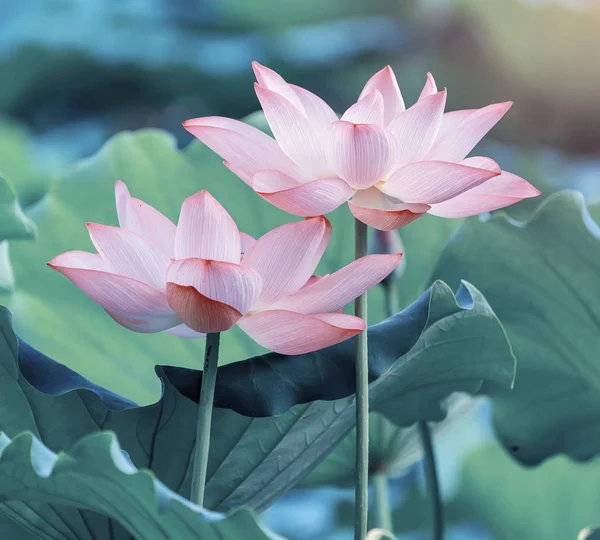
[[391, 165]]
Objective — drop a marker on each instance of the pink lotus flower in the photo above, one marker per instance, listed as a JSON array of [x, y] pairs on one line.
[[205, 276], [392, 165]]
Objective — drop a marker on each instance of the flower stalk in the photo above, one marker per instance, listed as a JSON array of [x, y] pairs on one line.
[[432, 482], [205, 409], [362, 400], [382, 501]]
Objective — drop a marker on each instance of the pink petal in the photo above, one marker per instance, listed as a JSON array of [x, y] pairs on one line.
[[206, 231], [200, 313], [272, 181], [324, 242], [145, 325], [319, 114], [367, 110], [430, 182], [271, 80], [430, 87], [457, 143], [295, 134], [385, 82], [496, 193], [451, 120], [310, 199], [384, 213], [247, 242], [134, 304], [185, 332], [247, 149], [482, 163], [332, 292], [286, 332], [82, 260], [416, 129], [360, 154], [130, 255], [138, 217], [286, 257], [232, 284]]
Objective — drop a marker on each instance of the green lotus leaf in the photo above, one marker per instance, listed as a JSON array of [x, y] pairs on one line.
[[96, 476], [276, 417], [542, 278]]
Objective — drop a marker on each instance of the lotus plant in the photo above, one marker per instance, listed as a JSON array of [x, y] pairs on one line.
[[203, 276], [390, 163]]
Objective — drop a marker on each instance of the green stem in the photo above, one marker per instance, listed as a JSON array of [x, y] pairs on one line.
[[433, 487], [380, 479], [205, 408], [382, 502], [391, 299], [362, 401]]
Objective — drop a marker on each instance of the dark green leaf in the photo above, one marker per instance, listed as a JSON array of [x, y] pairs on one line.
[[439, 345]]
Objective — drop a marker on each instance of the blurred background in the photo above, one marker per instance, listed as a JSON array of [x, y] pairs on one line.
[[75, 72]]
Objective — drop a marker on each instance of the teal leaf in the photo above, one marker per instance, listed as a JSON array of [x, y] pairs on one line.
[[276, 417], [392, 448], [95, 475], [542, 278]]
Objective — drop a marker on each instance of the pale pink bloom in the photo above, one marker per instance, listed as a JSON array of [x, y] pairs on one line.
[[205, 276], [390, 164]]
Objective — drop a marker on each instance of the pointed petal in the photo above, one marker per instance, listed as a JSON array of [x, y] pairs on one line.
[[130, 255], [319, 114], [451, 120], [385, 82], [206, 231], [286, 332], [81, 259], [133, 304], [367, 110], [416, 129], [482, 162], [431, 182], [247, 149], [384, 213], [247, 242], [430, 87], [496, 193], [360, 154], [185, 332], [141, 218], [332, 292], [231, 284], [271, 80], [294, 133], [310, 199], [286, 257], [456, 144]]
